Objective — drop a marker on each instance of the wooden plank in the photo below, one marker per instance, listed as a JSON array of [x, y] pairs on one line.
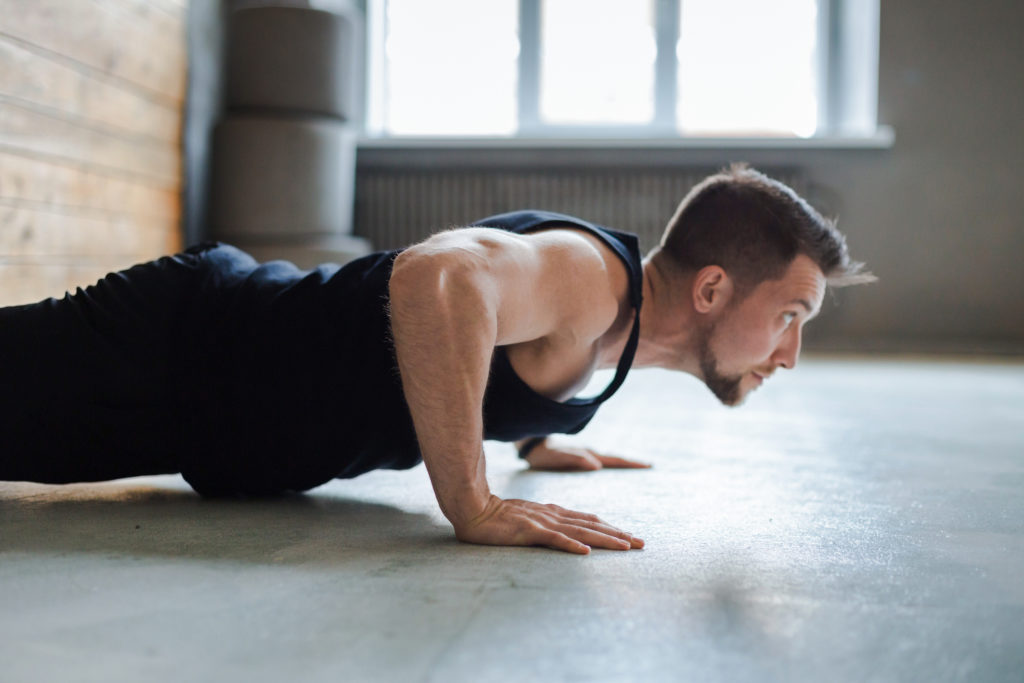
[[91, 95], [26, 130], [27, 283], [44, 182], [173, 15], [158, 25], [175, 8], [30, 234], [150, 53], [82, 94], [159, 45]]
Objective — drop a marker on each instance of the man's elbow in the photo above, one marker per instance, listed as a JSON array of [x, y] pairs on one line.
[[408, 269], [417, 271], [424, 271]]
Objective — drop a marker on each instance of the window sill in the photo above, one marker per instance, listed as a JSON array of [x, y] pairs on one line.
[[883, 138], [550, 153]]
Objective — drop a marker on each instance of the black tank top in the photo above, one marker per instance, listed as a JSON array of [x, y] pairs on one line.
[[512, 409]]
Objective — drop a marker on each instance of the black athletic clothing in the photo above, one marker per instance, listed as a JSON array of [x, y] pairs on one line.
[[512, 410], [247, 378]]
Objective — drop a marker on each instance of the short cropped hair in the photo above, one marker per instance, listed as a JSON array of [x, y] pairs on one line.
[[753, 227]]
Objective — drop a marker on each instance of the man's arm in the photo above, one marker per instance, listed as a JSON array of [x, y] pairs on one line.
[[453, 299]]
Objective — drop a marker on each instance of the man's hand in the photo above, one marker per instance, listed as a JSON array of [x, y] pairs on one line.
[[520, 522], [544, 457]]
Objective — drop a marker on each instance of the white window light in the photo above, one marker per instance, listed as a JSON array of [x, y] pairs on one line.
[[618, 68]]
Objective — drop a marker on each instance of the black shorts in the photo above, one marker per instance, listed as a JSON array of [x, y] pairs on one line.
[[139, 374], [86, 386]]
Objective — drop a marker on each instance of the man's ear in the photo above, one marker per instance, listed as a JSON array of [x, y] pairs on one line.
[[712, 289]]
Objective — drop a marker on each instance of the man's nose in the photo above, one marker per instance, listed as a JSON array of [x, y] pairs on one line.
[[788, 351]]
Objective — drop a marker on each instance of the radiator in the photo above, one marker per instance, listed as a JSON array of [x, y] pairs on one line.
[[397, 208]]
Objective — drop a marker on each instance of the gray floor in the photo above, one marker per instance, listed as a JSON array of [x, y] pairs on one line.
[[856, 521]]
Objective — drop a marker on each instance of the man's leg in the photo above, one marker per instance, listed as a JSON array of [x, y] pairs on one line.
[[86, 381]]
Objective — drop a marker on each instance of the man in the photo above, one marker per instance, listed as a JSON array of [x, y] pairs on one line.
[[255, 379]]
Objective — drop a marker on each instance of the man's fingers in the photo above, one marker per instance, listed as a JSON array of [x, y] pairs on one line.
[[579, 460], [589, 522], [596, 538], [572, 519], [553, 459], [609, 531], [620, 463], [521, 522], [559, 541], [574, 514]]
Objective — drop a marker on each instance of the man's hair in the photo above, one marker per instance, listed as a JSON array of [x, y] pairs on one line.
[[753, 227]]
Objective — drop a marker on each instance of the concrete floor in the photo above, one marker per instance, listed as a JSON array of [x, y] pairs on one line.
[[856, 521]]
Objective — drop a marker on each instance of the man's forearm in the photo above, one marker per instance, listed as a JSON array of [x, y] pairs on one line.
[[444, 334]]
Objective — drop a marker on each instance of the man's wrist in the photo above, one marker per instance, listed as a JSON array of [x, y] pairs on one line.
[[460, 484], [471, 515]]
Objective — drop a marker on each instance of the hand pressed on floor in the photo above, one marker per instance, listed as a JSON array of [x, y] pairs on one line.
[[521, 522], [544, 457]]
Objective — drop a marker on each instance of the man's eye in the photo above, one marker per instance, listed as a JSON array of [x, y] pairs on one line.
[[789, 317]]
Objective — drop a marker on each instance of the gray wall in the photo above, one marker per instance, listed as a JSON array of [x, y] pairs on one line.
[[937, 217]]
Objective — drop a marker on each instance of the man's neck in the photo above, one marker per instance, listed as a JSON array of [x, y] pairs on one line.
[[667, 330]]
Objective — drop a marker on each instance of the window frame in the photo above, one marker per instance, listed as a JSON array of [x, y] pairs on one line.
[[847, 74]]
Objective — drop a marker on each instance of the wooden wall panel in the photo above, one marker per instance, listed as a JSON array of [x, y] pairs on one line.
[[83, 143], [60, 88], [91, 106], [131, 40], [42, 181], [44, 233]]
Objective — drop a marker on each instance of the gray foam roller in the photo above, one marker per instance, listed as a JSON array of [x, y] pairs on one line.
[[282, 178], [293, 59], [308, 254]]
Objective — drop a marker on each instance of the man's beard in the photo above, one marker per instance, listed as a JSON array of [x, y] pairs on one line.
[[726, 388]]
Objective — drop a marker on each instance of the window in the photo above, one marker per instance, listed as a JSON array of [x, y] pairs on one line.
[[755, 76], [449, 67], [617, 68], [596, 62]]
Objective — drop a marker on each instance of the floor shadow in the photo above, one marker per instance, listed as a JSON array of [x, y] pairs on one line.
[[148, 521]]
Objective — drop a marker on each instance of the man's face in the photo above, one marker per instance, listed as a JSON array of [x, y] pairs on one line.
[[761, 333]]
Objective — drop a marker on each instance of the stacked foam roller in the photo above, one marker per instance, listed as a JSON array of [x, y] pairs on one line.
[[283, 176]]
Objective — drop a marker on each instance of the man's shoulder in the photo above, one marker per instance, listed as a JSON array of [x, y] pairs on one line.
[[587, 276]]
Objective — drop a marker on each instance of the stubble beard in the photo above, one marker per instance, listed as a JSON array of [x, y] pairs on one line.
[[726, 388]]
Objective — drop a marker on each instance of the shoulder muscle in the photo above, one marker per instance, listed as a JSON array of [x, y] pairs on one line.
[[542, 283]]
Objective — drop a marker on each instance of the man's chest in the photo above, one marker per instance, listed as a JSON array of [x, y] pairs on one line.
[[556, 370]]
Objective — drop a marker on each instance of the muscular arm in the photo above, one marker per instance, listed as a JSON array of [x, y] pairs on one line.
[[453, 299]]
